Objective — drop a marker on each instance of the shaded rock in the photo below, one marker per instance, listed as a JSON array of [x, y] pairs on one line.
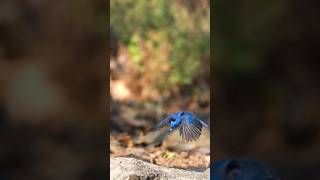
[[124, 168]]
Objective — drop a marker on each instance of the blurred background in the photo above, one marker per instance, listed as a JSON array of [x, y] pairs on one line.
[[159, 65], [53, 79], [265, 89]]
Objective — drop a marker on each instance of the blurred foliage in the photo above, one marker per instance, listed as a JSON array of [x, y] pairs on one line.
[[167, 40], [168, 154]]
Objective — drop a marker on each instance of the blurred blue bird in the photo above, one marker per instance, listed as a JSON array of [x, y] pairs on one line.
[[190, 125], [241, 169]]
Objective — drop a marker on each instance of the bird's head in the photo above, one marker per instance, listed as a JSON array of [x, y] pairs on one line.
[[175, 120]]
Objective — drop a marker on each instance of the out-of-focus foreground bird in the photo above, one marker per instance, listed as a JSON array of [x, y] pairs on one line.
[[190, 126], [241, 169]]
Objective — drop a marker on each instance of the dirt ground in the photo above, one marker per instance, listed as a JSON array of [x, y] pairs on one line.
[[170, 153]]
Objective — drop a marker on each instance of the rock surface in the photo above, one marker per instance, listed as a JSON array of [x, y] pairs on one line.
[[125, 168]]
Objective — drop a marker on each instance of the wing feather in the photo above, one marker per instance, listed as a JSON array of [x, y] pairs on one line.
[[190, 129], [161, 124]]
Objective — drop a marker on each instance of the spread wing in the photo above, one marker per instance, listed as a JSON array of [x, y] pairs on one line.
[[190, 129], [161, 124], [204, 124]]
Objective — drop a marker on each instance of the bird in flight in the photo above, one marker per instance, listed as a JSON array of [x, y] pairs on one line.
[[189, 125]]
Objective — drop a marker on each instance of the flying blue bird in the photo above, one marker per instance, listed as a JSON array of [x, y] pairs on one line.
[[189, 125]]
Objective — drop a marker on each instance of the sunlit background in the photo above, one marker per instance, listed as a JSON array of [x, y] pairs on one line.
[[160, 65]]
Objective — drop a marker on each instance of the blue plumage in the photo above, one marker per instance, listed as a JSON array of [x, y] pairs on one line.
[[190, 125]]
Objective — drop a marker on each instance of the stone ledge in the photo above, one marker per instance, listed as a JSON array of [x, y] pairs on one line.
[[125, 168]]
